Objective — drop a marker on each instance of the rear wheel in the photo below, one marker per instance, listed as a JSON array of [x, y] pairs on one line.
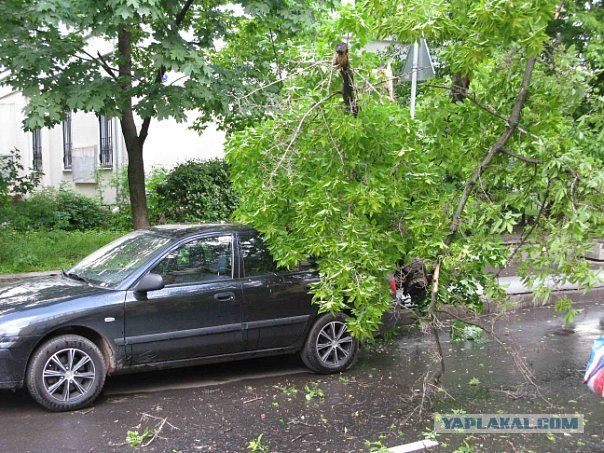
[[330, 347], [66, 373]]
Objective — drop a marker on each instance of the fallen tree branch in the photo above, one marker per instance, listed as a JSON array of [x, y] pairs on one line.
[[348, 89], [528, 160], [521, 365], [512, 125], [496, 148], [282, 79], [525, 237], [297, 132], [471, 96]]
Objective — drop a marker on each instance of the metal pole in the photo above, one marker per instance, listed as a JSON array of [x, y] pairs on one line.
[[414, 77]]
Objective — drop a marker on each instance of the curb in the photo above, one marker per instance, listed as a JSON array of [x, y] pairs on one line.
[[521, 301], [518, 302]]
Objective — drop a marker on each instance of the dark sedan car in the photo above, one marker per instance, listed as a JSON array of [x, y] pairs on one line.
[[162, 297]]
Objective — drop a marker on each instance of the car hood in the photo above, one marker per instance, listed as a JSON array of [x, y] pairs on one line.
[[42, 291]]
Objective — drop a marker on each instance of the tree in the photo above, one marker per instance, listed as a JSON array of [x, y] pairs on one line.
[[361, 194], [47, 46]]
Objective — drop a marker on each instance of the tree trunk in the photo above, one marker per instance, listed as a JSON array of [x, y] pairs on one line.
[[459, 88], [136, 186], [348, 89], [134, 145]]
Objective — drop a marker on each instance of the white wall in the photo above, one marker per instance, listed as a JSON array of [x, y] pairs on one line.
[[12, 135], [170, 143]]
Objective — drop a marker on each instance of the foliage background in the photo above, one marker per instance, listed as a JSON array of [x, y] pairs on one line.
[[365, 194]]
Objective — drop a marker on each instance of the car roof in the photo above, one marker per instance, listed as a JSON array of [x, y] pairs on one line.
[[187, 229]]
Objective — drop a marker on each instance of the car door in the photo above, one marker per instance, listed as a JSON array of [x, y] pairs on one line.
[[198, 312], [276, 305]]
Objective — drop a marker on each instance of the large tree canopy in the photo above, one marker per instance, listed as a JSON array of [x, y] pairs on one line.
[[360, 194], [213, 51]]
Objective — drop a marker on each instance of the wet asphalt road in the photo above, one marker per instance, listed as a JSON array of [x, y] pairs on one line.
[[220, 408]]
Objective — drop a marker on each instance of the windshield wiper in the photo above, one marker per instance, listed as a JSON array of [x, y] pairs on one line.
[[75, 276]]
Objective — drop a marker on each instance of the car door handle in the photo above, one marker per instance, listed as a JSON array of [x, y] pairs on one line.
[[225, 297]]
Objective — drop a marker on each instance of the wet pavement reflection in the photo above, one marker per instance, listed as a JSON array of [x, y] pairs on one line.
[[221, 408]]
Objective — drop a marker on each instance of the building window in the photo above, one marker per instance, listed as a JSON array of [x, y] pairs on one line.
[[106, 151], [36, 145], [67, 141]]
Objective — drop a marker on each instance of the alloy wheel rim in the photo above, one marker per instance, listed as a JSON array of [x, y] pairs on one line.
[[68, 375], [334, 344]]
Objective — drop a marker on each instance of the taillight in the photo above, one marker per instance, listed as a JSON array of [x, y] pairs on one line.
[[393, 284]]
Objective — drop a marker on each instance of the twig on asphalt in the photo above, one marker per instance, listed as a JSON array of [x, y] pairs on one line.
[[297, 422], [158, 429], [84, 412], [299, 437], [146, 415], [253, 399]]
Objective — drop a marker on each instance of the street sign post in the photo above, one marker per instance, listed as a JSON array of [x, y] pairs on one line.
[[418, 67]]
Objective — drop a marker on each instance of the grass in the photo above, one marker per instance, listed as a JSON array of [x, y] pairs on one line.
[[48, 250]]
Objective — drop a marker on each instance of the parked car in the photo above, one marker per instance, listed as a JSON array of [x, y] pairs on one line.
[[167, 296]]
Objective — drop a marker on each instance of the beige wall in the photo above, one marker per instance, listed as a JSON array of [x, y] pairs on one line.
[[11, 132], [168, 144]]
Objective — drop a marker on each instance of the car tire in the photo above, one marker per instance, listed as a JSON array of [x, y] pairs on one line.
[[330, 348], [66, 373]]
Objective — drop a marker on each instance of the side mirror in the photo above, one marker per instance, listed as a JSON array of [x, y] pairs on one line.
[[150, 282]]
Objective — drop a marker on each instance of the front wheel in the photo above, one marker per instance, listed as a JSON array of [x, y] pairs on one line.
[[66, 373], [330, 347]]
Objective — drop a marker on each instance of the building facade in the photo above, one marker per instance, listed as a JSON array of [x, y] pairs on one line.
[[86, 151]]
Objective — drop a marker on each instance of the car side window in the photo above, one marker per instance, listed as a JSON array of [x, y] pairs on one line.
[[257, 260], [201, 260]]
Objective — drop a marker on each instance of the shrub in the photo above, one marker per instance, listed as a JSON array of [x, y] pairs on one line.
[[52, 209], [122, 217], [12, 180], [81, 212], [196, 191], [157, 177]]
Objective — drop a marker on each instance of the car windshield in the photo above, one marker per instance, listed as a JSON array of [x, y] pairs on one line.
[[111, 264]]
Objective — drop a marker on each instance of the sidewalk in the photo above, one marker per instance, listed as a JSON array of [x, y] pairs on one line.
[[514, 285]]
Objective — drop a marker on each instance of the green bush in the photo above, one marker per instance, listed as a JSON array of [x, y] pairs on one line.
[[157, 177], [122, 218], [81, 212], [52, 209], [195, 191], [13, 181], [48, 250]]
